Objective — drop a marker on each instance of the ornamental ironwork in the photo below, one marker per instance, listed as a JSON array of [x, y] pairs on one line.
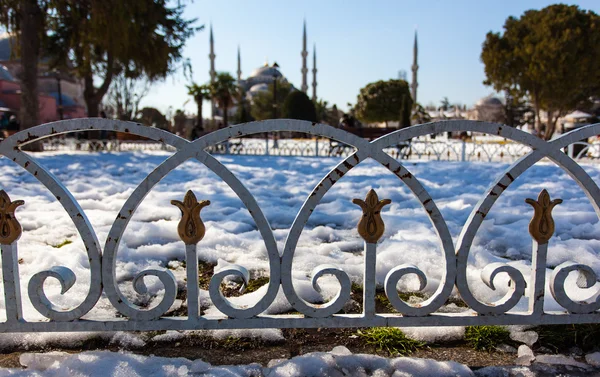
[[102, 258]]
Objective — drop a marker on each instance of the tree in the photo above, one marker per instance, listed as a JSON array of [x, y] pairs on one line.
[[179, 123], [242, 114], [517, 111], [327, 115], [297, 105], [262, 103], [384, 101], [25, 19], [550, 56], [321, 110], [420, 114], [99, 37], [333, 116], [152, 117], [199, 93], [445, 104], [223, 90], [125, 95], [405, 111]]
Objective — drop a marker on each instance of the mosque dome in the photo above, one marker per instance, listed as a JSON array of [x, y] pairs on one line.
[[489, 101], [262, 78], [267, 70], [259, 88]]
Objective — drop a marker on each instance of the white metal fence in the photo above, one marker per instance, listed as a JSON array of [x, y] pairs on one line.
[[102, 258], [418, 149]]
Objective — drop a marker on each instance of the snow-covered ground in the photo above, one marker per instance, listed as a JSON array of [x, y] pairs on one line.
[[339, 362], [102, 182]]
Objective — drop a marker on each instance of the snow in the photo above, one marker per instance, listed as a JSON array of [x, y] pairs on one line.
[[439, 334], [105, 363], [522, 335], [524, 350], [101, 182], [339, 362], [525, 355], [560, 360], [328, 364], [593, 359]]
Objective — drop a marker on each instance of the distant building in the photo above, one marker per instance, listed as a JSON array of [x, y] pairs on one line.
[[489, 109], [452, 113], [71, 88], [260, 79]]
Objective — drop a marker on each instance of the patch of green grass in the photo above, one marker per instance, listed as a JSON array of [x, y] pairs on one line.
[[205, 273], [390, 339], [457, 301], [563, 337], [382, 300], [64, 243], [232, 342], [254, 284], [240, 344], [486, 338], [356, 288], [405, 296]]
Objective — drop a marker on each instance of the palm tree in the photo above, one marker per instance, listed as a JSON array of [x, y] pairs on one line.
[[199, 93], [445, 104], [223, 90]]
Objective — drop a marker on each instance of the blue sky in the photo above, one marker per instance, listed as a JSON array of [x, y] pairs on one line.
[[357, 42]]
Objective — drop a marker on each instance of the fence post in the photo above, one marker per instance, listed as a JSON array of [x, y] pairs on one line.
[[11, 232], [317, 146], [267, 143], [191, 230], [463, 154], [570, 151]]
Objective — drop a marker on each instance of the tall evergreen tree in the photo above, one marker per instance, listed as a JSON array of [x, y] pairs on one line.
[[549, 55], [25, 20], [101, 37]]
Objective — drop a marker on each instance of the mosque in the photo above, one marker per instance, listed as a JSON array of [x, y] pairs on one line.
[[262, 77]]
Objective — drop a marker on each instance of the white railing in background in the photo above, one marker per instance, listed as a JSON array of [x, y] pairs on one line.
[[102, 258], [426, 149]]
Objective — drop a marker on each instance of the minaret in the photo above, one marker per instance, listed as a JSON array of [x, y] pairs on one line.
[[415, 68], [314, 71], [212, 72], [239, 71], [304, 71]]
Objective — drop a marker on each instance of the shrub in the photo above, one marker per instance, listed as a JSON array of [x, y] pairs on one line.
[[563, 337], [297, 105], [486, 338], [390, 339]]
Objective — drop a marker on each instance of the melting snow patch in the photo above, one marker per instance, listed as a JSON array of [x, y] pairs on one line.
[[560, 360]]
